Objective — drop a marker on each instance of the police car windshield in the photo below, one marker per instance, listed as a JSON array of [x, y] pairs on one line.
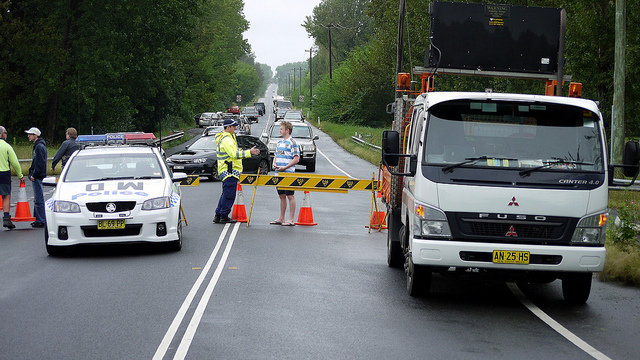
[[113, 167]]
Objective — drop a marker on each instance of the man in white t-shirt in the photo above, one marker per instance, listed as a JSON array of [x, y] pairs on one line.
[[285, 159]]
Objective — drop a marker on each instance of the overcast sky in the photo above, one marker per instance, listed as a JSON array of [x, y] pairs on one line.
[[275, 30]]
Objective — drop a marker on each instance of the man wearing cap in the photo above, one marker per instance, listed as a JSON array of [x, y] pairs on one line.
[[8, 160], [229, 168], [37, 172]]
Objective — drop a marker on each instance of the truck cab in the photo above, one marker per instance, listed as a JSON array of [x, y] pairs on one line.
[[513, 186]]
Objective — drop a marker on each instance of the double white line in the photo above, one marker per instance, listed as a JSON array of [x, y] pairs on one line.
[[183, 348]]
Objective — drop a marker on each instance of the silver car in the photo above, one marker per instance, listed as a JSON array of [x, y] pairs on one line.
[[303, 135], [208, 119]]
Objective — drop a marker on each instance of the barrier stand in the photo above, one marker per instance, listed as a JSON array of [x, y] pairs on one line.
[[255, 189], [184, 216]]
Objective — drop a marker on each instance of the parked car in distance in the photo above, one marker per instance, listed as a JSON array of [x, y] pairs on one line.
[[212, 130], [280, 114], [293, 115], [281, 104], [200, 157], [251, 114], [234, 109], [303, 135], [208, 119], [262, 108]]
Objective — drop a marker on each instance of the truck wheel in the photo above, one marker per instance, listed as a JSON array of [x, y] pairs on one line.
[[418, 278], [576, 287], [395, 257]]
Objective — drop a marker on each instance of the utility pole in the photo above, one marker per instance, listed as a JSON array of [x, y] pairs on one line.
[[310, 74], [400, 47], [617, 138], [329, 27]]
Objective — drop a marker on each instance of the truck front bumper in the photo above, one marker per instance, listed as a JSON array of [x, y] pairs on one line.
[[480, 255]]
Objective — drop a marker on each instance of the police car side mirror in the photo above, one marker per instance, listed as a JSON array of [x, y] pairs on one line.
[[50, 181], [178, 176]]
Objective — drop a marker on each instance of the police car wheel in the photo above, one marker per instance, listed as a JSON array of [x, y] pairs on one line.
[[176, 245]]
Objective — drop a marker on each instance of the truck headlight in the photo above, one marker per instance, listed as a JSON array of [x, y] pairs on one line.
[[155, 204], [591, 230], [430, 223], [65, 207]]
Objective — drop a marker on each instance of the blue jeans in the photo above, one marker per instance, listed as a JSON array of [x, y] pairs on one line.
[[228, 196], [38, 201]]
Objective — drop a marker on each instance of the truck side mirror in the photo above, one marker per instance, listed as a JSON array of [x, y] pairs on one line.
[[390, 147], [631, 158]]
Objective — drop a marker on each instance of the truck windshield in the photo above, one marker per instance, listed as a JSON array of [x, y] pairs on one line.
[[538, 136]]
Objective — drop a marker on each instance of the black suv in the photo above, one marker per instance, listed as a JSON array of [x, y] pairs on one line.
[[261, 107]]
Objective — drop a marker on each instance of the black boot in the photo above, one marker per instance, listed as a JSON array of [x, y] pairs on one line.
[[216, 219], [227, 219], [6, 222]]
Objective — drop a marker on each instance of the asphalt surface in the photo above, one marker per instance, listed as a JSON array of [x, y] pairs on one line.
[[272, 292]]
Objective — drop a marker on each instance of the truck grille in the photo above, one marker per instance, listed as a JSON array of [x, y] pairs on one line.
[[507, 228]]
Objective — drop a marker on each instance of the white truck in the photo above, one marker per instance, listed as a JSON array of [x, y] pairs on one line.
[[510, 186]]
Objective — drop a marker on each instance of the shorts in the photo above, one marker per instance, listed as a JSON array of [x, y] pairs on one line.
[[285, 192], [5, 189]]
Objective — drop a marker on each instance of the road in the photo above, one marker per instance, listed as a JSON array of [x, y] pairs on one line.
[[273, 292]]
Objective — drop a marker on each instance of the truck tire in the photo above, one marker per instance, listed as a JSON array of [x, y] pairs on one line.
[[418, 278], [576, 287], [395, 257]]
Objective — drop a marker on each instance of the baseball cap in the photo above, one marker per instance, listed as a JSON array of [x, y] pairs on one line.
[[34, 131], [227, 122]]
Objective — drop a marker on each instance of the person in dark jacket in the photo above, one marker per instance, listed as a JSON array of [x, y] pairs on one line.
[[67, 148], [37, 172]]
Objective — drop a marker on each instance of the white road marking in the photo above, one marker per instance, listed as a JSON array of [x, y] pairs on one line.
[[555, 325], [334, 165], [173, 328], [189, 334]]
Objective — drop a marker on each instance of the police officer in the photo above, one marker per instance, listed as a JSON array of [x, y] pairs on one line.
[[229, 168]]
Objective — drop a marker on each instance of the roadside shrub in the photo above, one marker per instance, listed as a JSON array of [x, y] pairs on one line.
[[624, 234]]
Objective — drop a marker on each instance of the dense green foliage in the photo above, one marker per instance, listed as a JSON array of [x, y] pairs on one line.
[[364, 63], [121, 65]]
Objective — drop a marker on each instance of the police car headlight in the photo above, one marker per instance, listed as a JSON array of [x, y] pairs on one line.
[[200, 160], [155, 204], [65, 207], [591, 230], [430, 223]]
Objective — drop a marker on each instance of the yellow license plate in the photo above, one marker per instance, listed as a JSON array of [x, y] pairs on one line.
[[110, 224], [510, 257]]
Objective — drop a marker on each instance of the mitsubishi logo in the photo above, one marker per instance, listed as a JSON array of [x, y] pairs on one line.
[[111, 207], [511, 232], [513, 202]]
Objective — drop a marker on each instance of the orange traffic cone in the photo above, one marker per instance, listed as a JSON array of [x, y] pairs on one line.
[[22, 207], [239, 212], [306, 214], [378, 216]]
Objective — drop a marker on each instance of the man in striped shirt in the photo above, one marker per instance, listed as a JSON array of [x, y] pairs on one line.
[[286, 157]]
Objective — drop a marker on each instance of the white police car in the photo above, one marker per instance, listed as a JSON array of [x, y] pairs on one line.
[[114, 190]]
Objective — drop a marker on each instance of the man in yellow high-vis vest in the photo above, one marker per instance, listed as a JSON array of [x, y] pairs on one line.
[[229, 168]]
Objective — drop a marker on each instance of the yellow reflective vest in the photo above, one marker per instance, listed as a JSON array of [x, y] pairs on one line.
[[229, 156]]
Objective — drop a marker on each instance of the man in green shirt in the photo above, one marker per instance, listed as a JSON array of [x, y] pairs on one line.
[[8, 160]]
